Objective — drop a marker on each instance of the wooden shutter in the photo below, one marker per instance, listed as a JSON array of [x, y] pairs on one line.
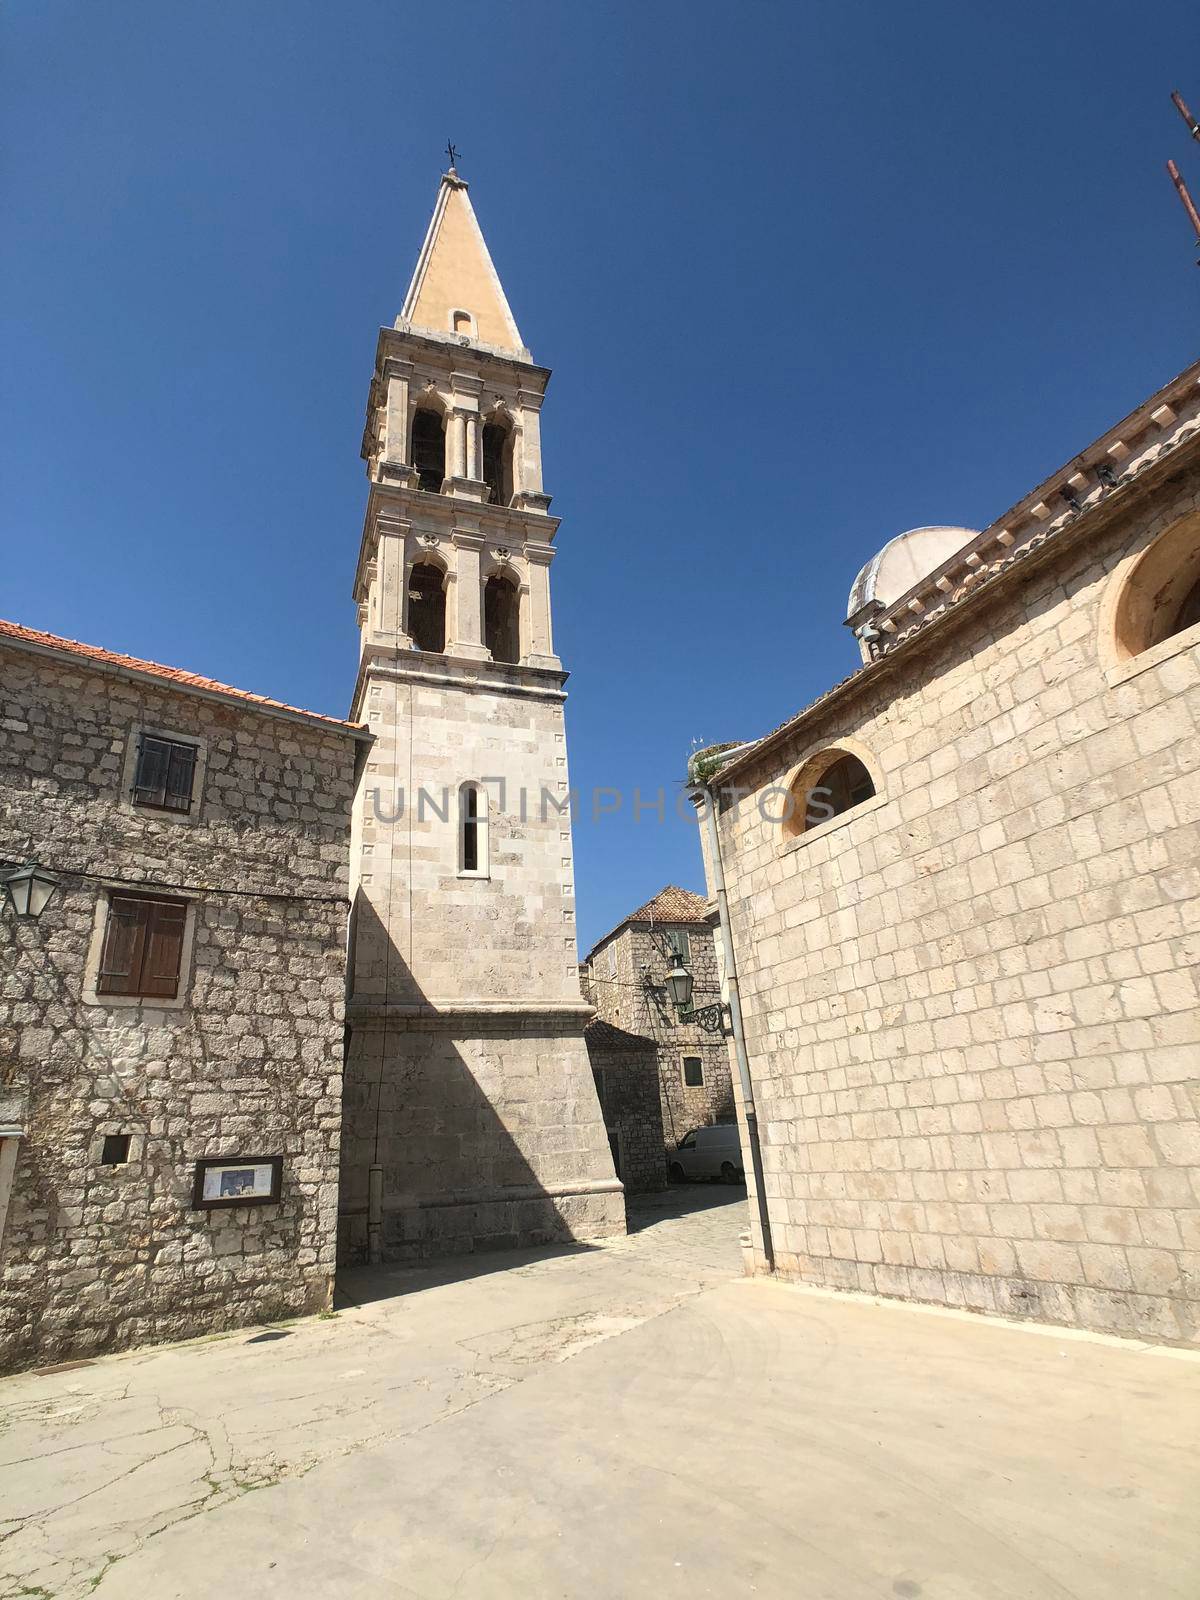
[[150, 784], [163, 951], [124, 945], [180, 772]]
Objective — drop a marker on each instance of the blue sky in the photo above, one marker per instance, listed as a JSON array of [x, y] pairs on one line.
[[807, 276]]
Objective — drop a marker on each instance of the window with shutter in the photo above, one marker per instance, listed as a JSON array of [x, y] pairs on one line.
[[143, 947], [166, 771]]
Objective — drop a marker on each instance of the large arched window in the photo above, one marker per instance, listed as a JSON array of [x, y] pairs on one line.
[[472, 831], [501, 619], [429, 448], [427, 607], [1159, 594], [829, 784], [497, 461]]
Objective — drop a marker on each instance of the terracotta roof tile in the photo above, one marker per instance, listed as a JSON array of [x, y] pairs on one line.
[[671, 904], [173, 675]]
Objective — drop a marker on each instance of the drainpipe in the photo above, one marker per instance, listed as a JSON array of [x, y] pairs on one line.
[[709, 807], [375, 1215]]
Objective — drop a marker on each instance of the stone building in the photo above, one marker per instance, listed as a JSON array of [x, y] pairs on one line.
[[964, 896], [471, 1118], [171, 1023], [626, 982], [625, 1071]]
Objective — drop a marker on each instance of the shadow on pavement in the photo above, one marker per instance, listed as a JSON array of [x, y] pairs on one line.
[[680, 1200], [359, 1286]]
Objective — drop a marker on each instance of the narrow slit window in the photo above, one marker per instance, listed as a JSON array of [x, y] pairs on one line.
[[693, 1072], [472, 831]]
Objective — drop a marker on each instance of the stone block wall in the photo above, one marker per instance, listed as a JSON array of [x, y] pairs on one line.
[[427, 933], [626, 1071], [617, 974], [98, 1257], [972, 1007], [467, 1075], [487, 1130]]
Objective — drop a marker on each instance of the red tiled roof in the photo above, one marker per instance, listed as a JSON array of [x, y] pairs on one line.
[[671, 904], [173, 675]]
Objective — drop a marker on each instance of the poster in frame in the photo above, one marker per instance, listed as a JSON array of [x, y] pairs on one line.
[[223, 1181]]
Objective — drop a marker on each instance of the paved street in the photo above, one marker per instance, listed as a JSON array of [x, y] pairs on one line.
[[633, 1420]]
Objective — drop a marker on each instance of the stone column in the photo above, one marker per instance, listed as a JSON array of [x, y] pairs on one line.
[[528, 465], [385, 584], [396, 377], [456, 444], [474, 446], [539, 650], [464, 626]]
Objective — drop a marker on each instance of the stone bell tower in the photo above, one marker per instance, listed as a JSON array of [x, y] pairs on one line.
[[470, 1119]]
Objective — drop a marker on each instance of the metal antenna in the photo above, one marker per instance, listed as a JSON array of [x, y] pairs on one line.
[[1188, 203], [1180, 104]]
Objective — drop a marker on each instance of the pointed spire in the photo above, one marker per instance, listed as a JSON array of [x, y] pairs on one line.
[[455, 288]]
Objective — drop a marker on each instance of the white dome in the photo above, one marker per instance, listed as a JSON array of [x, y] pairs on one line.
[[903, 562]]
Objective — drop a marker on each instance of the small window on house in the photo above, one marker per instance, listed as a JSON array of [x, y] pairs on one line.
[[143, 947], [116, 1150], [427, 607], [165, 773], [472, 831], [501, 619], [1160, 596], [497, 463], [825, 788], [429, 449], [677, 939], [693, 1072]]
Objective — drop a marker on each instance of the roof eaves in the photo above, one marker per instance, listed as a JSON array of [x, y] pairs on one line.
[[982, 583], [110, 663]]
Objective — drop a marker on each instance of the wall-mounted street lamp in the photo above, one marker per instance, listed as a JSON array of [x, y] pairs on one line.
[[679, 986], [29, 888]]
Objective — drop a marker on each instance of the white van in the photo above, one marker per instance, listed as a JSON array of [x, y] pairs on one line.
[[709, 1153]]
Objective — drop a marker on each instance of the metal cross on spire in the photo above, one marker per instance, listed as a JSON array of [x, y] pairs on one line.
[[453, 154]]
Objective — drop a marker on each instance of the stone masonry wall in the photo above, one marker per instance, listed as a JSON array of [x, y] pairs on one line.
[[626, 1072], [488, 1132], [100, 1257], [972, 1006], [621, 997], [467, 1075]]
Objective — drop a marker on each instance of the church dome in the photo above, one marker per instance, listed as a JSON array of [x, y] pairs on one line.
[[903, 562]]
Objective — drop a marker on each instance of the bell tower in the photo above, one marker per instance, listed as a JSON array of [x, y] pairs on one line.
[[470, 1112]]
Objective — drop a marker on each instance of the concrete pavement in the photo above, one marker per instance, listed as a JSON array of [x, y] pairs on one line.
[[633, 1420]]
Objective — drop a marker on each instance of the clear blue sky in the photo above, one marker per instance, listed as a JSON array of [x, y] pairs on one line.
[[807, 275]]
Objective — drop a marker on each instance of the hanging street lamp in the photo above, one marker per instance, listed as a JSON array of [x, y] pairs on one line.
[[29, 888]]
